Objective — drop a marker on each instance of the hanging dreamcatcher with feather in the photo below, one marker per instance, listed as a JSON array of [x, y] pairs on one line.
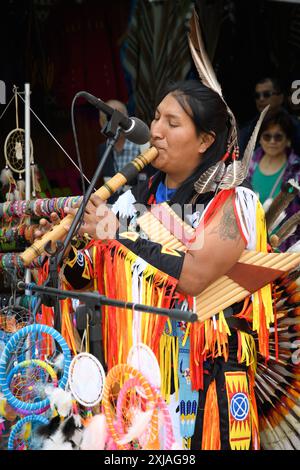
[[14, 153], [278, 377]]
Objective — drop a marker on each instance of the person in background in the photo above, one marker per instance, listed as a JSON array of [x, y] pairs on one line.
[[124, 151], [274, 163], [268, 91]]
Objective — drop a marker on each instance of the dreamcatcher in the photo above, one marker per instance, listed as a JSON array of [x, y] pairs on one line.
[[86, 379], [22, 432], [13, 318], [25, 372], [14, 152], [135, 412]]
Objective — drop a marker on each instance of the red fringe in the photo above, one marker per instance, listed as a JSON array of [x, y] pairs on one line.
[[216, 203], [197, 342]]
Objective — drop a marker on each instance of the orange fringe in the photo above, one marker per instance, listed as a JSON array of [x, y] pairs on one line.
[[66, 324], [211, 420], [218, 201], [47, 317], [112, 270]]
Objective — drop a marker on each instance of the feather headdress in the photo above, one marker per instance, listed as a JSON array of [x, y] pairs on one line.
[[218, 175]]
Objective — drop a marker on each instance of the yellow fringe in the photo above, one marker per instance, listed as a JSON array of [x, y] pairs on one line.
[[152, 285], [186, 334], [248, 350], [223, 323], [67, 327], [264, 295], [168, 361]]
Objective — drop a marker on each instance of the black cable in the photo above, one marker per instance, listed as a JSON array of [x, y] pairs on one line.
[[77, 152]]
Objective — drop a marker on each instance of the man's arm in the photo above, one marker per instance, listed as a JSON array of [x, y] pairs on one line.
[[222, 247]]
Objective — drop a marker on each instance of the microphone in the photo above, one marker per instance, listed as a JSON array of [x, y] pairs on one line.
[[135, 130]]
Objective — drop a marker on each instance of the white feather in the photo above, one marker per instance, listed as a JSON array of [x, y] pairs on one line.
[[6, 176], [60, 400], [95, 434], [140, 422], [177, 446], [59, 362], [294, 248], [57, 442], [21, 185]]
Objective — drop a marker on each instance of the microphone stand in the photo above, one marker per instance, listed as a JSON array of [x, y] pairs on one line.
[[92, 307], [112, 130]]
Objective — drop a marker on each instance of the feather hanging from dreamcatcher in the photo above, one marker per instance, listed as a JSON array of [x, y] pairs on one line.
[[278, 379], [8, 183], [14, 153]]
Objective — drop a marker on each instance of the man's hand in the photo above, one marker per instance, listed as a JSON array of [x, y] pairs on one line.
[[99, 222], [46, 225]]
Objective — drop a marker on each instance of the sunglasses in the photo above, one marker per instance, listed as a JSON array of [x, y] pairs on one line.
[[267, 137], [265, 94]]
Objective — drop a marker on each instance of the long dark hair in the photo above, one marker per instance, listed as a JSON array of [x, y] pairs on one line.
[[209, 114]]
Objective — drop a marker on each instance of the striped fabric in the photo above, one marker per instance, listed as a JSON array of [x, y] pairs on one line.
[[156, 50]]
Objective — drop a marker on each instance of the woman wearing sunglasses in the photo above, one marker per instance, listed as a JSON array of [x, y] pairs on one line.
[[274, 163]]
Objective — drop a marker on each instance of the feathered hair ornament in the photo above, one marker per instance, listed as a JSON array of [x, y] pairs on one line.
[[219, 175]]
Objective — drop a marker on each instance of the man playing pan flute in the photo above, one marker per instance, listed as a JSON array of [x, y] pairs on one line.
[[207, 367]]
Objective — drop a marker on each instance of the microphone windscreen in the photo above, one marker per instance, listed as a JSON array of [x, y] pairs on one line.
[[139, 132]]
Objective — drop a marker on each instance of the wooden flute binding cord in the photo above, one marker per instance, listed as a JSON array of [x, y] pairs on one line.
[[59, 231], [252, 271]]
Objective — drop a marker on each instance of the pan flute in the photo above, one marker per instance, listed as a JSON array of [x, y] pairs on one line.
[[252, 271]]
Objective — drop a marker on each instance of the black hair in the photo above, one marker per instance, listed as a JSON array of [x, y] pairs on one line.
[[275, 82], [280, 117], [209, 114]]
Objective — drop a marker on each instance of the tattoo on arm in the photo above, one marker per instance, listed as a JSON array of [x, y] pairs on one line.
[[227, 227]]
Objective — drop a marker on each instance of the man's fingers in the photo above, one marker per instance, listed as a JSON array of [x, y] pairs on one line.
[[96, 200], [54, 218], [70, 210], [44, 222], [37, 233]]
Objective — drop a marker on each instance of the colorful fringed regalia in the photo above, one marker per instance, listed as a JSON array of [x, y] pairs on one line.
[[213, 370], [188, 354]]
